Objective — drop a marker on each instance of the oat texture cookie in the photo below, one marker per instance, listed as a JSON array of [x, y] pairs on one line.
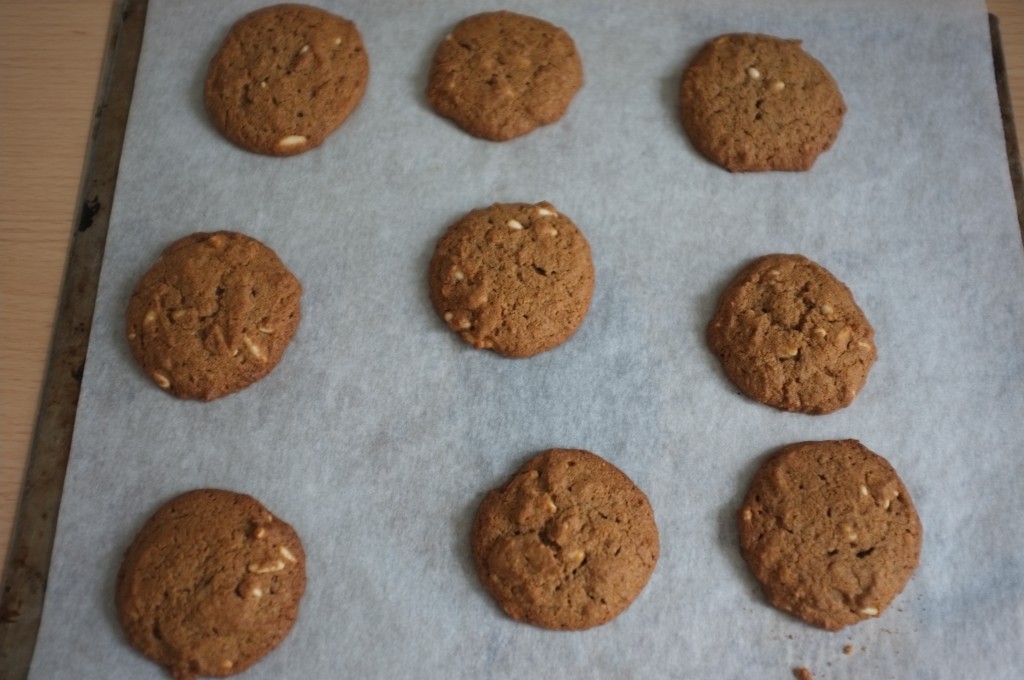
[[753, 102], [285, 78], [515, 278], [500, 75], [830, 532], [213, 315], [211, 584], [790, 335], [567, 543]]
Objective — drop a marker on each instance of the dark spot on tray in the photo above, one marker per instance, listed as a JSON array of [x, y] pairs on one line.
[[89, 210]]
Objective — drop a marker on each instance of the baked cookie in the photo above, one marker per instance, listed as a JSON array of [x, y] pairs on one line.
[[213, 315], [754, 102], [567, 543], [830, 532], [285, 78], [515, 278], [210, 584], [500, 75], [790, 335]]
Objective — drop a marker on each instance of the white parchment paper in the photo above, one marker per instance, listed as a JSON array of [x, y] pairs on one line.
[[380, 431]]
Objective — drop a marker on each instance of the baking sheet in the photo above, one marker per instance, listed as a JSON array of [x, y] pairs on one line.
[[380, 431]]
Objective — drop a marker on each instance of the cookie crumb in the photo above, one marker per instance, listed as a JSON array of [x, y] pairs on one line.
[[802, 673], [848, 649]]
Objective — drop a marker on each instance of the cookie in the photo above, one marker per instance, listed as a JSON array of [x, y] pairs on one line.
[[790, 335], [515, 278], [500, 75], [753, 102], [567, 543], [830, 532], [213, 315], [211, 584], [285, 78]]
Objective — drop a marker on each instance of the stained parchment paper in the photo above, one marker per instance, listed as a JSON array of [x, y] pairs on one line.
[[380, 431]]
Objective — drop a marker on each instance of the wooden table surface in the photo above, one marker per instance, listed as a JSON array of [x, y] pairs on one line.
[[50, 57]]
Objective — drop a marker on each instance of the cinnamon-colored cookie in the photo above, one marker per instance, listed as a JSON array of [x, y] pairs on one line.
[[285, 78], [790, 335], [567, 543], [211, 584], [213, 315], [829, 530], [500, 75], [515, 278], [754, 102]]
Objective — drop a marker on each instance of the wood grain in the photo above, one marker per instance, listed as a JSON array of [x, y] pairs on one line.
[[50, 57]]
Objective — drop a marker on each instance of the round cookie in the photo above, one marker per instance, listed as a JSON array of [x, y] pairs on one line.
[[211, 584], [830, 532], [753, 102], [790, 335], [567, 543], [515, 278], [499, 75], [285, 78], [213, 315]]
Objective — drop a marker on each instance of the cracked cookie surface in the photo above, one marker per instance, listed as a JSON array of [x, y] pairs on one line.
[[567, 543], [514, 277], [500, 75], [211, 584], [285, 78], [830, 531], [790, 335], [213, 315], [752, 102]]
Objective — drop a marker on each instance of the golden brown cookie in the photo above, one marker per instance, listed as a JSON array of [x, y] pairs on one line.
[[213, 315], [567, 543], [500, 75], [211, 584], [285, 78], [790, 335], [753, 102], [830, 532], [515, 278]]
